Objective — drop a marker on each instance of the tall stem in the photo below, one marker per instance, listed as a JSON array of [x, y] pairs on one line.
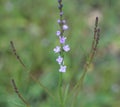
[[60, 90]]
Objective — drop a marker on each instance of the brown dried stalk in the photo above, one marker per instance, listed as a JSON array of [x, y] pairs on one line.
[[15, 53], [95, 42], [33, 78], [94, 45], [92, 53], [18, 93]]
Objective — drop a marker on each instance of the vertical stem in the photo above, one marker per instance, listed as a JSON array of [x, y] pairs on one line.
[[61, 23], [60, 73], [60, 90], [79, 84]]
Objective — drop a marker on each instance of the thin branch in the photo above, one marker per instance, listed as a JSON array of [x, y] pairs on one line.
[[18, 93], [95, 33], [15, 53], [92, 53], [95, 42], [31, 76], [95, 46]]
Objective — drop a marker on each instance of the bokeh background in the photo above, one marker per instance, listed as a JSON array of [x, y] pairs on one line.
[[32, 26]]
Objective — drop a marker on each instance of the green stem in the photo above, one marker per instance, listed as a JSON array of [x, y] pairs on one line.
[[60, 90], [78, 88]]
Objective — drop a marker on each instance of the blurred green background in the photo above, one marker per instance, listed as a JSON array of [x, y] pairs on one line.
[[32, 26]]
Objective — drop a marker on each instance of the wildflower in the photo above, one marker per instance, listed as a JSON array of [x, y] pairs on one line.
[[59, 59], [61, 13], [63, 21], [59, 21], [62, 39], [56, 49], [66, 48], [65, 27], [58, 33], [62, 68]]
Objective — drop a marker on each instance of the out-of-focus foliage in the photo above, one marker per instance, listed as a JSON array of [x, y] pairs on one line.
[[32, 24]]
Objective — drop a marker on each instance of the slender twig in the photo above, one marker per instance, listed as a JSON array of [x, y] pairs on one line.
[[92, 52], [15, 53], [95, 33], [19, 94], [95, 42], [33, 78], [95, 46]]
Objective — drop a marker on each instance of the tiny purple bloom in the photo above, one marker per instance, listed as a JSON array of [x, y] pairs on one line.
[[59, 59], [66, 48], [58, 33], [59, 21], [62, 68], [56, 49], [65, 27], [64, 21], [61, 13], [62, 39]]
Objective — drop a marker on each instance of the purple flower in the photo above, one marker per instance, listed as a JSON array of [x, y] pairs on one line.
[[66, 48], [65, 27], [64, 21], [59, 59], [58, 33], [59, 21], [62, 39], [62, 68], [61, 13], [56, 49]]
